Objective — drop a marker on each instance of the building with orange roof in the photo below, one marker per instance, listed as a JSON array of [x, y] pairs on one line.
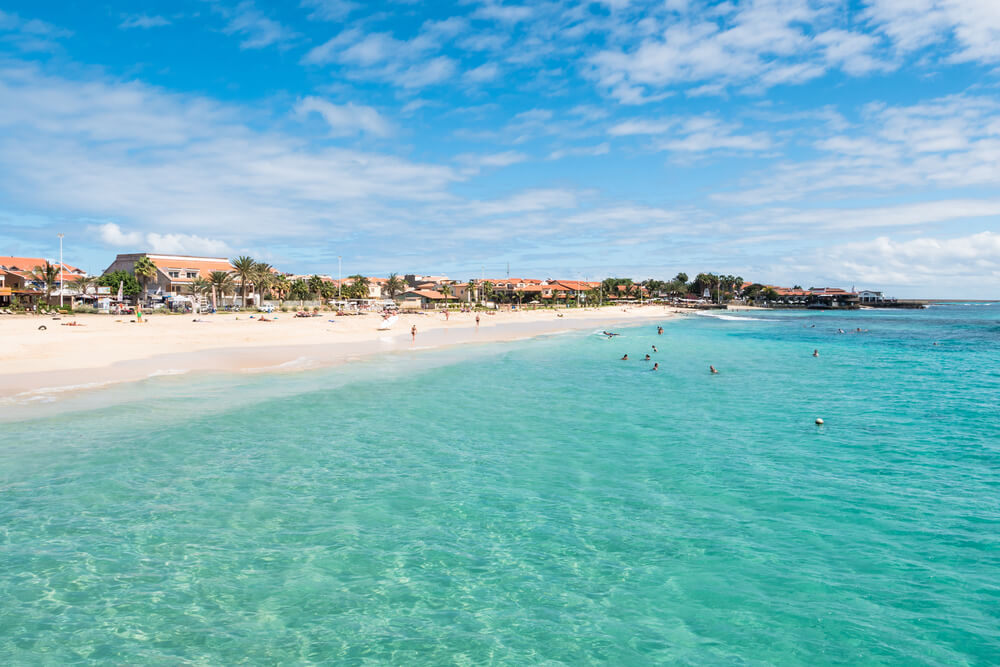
[[27, 266], [174, 273]]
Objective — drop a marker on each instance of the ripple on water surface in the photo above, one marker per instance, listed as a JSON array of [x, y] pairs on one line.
[[539, 501]]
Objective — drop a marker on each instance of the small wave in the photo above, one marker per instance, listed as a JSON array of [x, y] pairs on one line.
[[295, 364], [733, 318], [168, 371], [49, 394]]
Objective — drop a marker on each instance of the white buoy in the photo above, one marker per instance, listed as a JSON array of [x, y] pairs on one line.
[[819, 422]]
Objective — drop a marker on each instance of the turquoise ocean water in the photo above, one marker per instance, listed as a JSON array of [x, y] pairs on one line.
[[525, 503]]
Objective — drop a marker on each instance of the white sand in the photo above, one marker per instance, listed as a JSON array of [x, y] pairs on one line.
[[107, 349]]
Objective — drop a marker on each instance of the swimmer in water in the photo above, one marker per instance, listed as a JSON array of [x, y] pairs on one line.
[[610, 334], [656, 367], [815, 353], [647, 358], [654, 349], [712, 369], [659, 330], [625, 358], [840, 331]]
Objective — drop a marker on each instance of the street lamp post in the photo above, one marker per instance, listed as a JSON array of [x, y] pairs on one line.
[[60, 272]]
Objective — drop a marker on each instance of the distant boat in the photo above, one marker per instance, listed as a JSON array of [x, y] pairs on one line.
[[388, 322]]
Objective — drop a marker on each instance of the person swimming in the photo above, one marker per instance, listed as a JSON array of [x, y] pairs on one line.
[[815, 353], [840, 331], [610, 334], [656, 367], [625, 358], [648, 358], [712, 369], [654, 349], [659, 331]]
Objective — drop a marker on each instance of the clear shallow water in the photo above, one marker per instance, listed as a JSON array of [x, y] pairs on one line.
[[529, 503]]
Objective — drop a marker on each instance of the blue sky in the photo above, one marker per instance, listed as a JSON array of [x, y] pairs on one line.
[[787, 141]]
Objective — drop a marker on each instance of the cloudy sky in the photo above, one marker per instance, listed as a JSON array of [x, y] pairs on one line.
[[788, 141]]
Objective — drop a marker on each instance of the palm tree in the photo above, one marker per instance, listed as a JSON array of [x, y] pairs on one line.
[[262, 278], [394, 285], [446, 290], [360, 285], [298, 290], [84, 284], [471, 291], [315, 285], [243, 267], [48, 275], [280, 286], [201, 287], [144, 270], [222, 282]]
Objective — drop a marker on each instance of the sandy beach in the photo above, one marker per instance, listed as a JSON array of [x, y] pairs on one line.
[[89, 351]]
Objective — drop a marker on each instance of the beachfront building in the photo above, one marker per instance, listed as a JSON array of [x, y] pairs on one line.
[[16, 290], [870, 298], [420, 298], [174, 273], [22, 285], [814, 297]]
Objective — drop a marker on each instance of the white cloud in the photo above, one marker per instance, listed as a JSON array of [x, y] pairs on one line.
[[112, 235], [258, 30], [157, 161], [951, 266], [346, 119], [705, 133], [143, 21], [972, 26], [581, 151], [693, 134], [29, 34], [852, 51], [504, 159], [404, 63], [329, 10], [482, 74], [504, 13], [951, 142], [427, 73], [640, 126], [843, 219], [524, 202]]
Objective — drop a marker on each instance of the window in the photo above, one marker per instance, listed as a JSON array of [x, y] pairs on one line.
[[175, 274], [192, 274]]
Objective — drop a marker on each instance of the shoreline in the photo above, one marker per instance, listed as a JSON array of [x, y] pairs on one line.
[[105, 350]]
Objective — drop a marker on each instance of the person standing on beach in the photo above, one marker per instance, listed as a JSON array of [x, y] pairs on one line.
[[413, 332], [477, 321]]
